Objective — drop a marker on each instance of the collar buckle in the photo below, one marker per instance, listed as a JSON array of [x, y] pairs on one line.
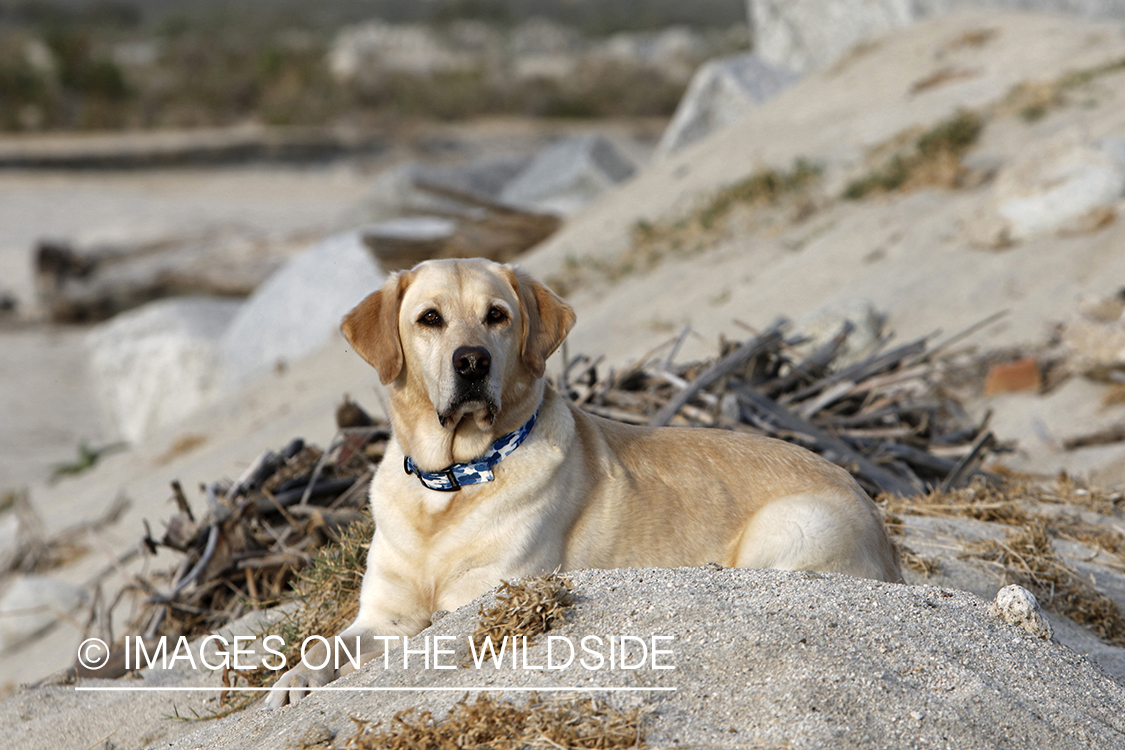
[[474, 472], [446, 473]]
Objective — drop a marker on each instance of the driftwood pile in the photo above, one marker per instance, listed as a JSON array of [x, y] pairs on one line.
[[885, 418], [261, 529]]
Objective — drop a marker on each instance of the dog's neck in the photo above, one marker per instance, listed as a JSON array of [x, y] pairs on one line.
[[432, 447]]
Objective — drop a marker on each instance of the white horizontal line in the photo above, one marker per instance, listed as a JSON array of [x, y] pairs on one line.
[[115, 688]]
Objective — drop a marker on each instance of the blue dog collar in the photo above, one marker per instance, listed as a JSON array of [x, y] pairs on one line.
[[455, 476]]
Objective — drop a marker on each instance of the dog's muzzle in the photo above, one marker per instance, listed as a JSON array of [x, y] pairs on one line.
[[472, 387]]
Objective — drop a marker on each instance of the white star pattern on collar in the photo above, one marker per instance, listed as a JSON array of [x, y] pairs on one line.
[[455, 476]]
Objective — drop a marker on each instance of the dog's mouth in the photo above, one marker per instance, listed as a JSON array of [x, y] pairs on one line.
[[480, 408]]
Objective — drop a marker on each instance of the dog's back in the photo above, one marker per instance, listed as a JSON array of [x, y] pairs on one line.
[[689, 496]]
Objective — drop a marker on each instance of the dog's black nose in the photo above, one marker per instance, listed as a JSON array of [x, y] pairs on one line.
[[472, 362]]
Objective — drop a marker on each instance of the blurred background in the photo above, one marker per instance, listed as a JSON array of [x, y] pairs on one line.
[[117, 65], [160, 149]]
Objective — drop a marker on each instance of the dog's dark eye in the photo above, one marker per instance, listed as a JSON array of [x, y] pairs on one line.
[[496, 315], [431, 318]]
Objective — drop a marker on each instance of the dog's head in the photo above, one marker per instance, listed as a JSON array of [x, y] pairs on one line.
[[469, 335]]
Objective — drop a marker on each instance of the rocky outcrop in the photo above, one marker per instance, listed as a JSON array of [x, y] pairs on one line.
[[807, 35], [720, 92], [568, 175]]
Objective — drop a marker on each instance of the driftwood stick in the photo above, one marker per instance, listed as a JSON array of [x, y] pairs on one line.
[[963, 334], [181, 499], [920, 459], [896, 411], [357, 492], [827, 396], [303, 494], [860, 371], [725, 366], [319, 468], [676, 347], [620, 415], [208, 552], [257, 472], [884, 479], [811, 365], [967, 462]]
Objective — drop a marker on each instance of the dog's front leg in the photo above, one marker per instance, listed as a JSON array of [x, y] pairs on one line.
[[387, 611], [322, 664]]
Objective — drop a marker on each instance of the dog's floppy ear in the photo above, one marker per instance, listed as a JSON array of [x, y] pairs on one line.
[[372, 328], [545, 320]]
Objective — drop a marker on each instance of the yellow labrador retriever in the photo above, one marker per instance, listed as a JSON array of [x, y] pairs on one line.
[[493, 475]]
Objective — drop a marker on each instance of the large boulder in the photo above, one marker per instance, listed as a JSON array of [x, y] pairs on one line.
[[720, 92], [298, 309], [158, 363], [569, 174]]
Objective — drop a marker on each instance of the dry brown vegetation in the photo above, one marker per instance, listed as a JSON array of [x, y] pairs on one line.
[[492, 724], [1034, 100], [1027, 557], [981, 500], [328, 589], [525, 607], [931, 159], [787, 191]]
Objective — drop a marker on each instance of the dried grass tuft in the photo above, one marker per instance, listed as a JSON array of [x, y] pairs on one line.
[[526, 607], [786, 191], [1027, 557], [328, 589], [932, 160], [1099, 537], [492, 724], [980, 500], [921, 564]]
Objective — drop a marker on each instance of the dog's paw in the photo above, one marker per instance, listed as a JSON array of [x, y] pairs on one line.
[[296, 684]]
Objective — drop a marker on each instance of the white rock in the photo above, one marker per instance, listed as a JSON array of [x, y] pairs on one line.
[[1057, 187], [1017, 606], [31, 604], [298, 309], [569, 174], [158, 363], [719, 93]]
